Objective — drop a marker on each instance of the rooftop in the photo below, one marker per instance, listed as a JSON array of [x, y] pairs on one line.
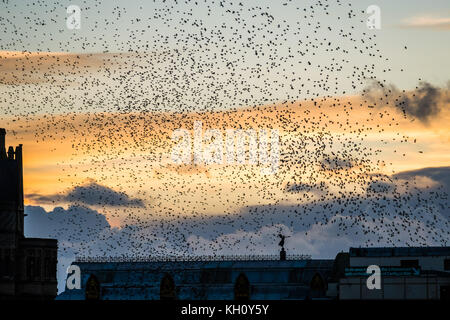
[[400, 252], [195, 258]]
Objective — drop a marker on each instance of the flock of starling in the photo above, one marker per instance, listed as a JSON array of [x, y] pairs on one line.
[[230, 64]]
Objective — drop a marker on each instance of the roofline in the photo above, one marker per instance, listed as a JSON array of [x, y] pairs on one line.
[[399, 251], [203, 258]]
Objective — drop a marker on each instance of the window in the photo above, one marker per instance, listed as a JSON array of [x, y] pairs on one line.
[[445, 292], [7, 264], [215, 276], [296, 275], [30, 265], [47, 273], [317, 286], [2, 266], [167, 288], [447, 264], [242, 288], [92, 291], [409, 263], [49, 265], [317, 283], [37, 267]]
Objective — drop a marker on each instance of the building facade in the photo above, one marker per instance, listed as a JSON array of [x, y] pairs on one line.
[[409, 273], [27, 265], [406, 273], [224, 279]]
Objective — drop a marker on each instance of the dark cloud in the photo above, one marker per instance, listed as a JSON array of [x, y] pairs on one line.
[[91, 193], [423, 103], [440, 175], [76, 223], [306, 187]]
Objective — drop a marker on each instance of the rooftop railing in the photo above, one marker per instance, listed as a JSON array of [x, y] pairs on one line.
[[211, 258]]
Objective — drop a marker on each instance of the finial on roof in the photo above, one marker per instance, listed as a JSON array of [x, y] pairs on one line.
[[2, 144]]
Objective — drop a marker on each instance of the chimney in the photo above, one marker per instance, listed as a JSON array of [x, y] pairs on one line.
[[11, 153], [2, 144]]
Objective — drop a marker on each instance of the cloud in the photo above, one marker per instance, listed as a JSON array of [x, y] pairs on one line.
[[90, 193], [380, 187], [440, 174], [74, 224], [306, 187], [64, 68], [19, 67], [427, 21], [424, 103], [331, 162], [416, 214], [433, 179], [81, 231], [321, 240]]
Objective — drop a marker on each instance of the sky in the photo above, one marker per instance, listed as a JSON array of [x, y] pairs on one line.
[[362, 117], [107, 26]]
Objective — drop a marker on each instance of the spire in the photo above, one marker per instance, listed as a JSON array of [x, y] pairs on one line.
[[2, 144]]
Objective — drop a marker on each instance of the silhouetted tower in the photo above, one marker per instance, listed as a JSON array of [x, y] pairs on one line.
[[11, 194], [27, 265], [2, 144]]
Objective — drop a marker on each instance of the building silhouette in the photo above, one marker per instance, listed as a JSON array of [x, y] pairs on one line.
[[407, 273], [27, 265], [202, 278]]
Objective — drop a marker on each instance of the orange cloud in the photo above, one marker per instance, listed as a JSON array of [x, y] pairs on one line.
[[427, 21], [17, 67]]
